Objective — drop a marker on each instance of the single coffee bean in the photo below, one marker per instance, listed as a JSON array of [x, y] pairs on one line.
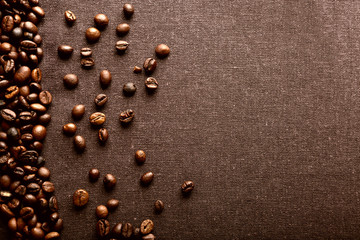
[[102, 228], [97, 118], [78, 111], [103, 135], [5, 181], [43, 173], [105, 78], [122, 29], [92, 34], [38, 11], [52, 236], [69, 129], [150, 65], [117, 230], [79, 143], [140, 156], [38, 107], [37, 233], [33, 188], [159, 206], [53, 204], [146, 226], [101, 20], [12, 92], [151, 83], [28, 157], [80, 198], [127, 230], [30, 27], [162, 50], [187, 186], [70, 80], [36, 75], [54, 217], [58, 225], [44, 119], [87, 62], [129, 88], [65, 51], [85, 52], [48, 187], [6, 211], [121, 45], [8, 115], [32, 221], [94, 174], [39, 132], [45, 97], [128, 10], [22, 74], [137, 69], [109, 181], [112, 204], [102, 211], [70, 17], [149, 237], [7, 23], [127, 116], [12, 224], [100, 100], [147, 178], [27, 213]]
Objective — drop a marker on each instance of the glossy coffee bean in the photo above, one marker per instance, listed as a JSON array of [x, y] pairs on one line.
[[37, 233], [162, 50], [146, 226], [117, 230], [70, 17], [80, 197], [112, 204], [92, 34], [44, 119], [128, 10], [122, 29], [27, 213], [87, 63], [101, 20], [102, 228], [45, 97], [103, 135], [69, 129], [129, 89], [43, 173], [79, 143], [126, 116], [48, 187], [150, 65], [137, 69], [102, 211], [148, 237], [94, 174], [109, 181], [12, 225], [97, 118], [22, 74], [53, 204], [70, 80], [52, 236], [86, 52], [39, 132], [100, 100], [159, 206], [147, 178], [65, 51], [121, 45], [140, 156], [151, 83], [127, 230], [105, 78], [187, 186]]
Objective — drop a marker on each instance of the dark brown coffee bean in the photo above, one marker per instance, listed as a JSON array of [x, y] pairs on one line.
[[22, 74], [112, 204], [33, 188], [94, 174], [54, 217], [43, 173], [148, 237], [24, 90], [36, 75], [109, 181], [32, 221], [65, 51], [147, 178], [101, 20], [48, 187], [78, 111], [162, 50], [129, 89], [8, 115], [7, 23], [70, 17], [128, 10], [105, 78], [69, 129], [122, 29], [38, 107], [187, 186], [5, 210], [140, 156], [12, 225], [87, 62], [53, 204], [45, 97], [121, 45], [12, 92], [58, 225], [9, 65], [37, 233], [29, 157], [97, 118], [92, 34], [102, 211], [39, 132], [38, 11], [127, 116], [70, 80], [100, 100], [30, 27], [127, 230], [44, 119], [79, 143], [150, 65], [27, 213], [80, 198], [117, 230], [159, 206], [151, 83], [103, 135], [5, 181], [28, 46], [146, 226], [86, 52], [102, 228], [137, 69], [52, 236], [37, 39]]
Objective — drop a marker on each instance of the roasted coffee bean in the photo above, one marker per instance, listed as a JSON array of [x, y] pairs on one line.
[[92, 34], [29, 200], [14, 203], [36, 75], [33, 188], [30, 27], [9, 65], [43, 173], [33, 97], [45, 97], [70, 80], [27, 138], [187, 186], [52, 236], [78, 111], [28, 46], [148, 237], [128, 10], [3, 148], [97, 118], [65, 51], [127, 230], [53, 204], [147, 178], [146, 226], [39, 132], [112, 204], [101, 211], [24, 103], [121, 45], [79, 143], [5, 181], [102, 228], [38, 107], [32, 221], [101, 20], [19, 173], [94, 174], [86, 52], [4, 158], [4, 84], [7, 23], [37, 233], [38, 11], [140, 156], [100, 100], [37, 39], [22, 74], [38, 146], [13, 134], [48, 187], [150, 65], [105, 78], [54, 217], [127, 116], [129, 89], [8, 115], [87, 62], [80, 198], [103, 135], [12, 224], [24, 90], [117, 230], [109, 181], [70, 17], [27, 213], [151, 83], [162, 50], [5, 47], [25, 117], [122, 29], [34, 87], [137, 69], [44, 119], [58, 225], [5, 210], [5, 195], [69, 129]]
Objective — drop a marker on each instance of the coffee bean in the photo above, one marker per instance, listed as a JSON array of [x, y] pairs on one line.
[[39, 132], [30, 27], [122, 29], [33, 188], [9, 65], [117, 230], [147, 178], [5, 210], [12, 92], [69, 129], [86, 52], [102, 211], [7, 23], [27, 213], [79, 143], [129, 89], [12, 224], [36, 75], [127, 230], [70, 17], [187, 186], [94, 174], [112, 204], [140, 156], [102, 228], [45, 97], [80, 198], [151, 83], [43, 173], [128, 10], [52, 236], [8, 115], [127, 116], [65, 51], [87, 62], [159, 206], [38, 107], [100, 100], [109, 181], [105, 78], [146, 226], [54, 217], [137, 69], [70, 80], [121, 45], [78, 111], [103, 135], [44, 119], [48, 187], [149, 237], [97, 118], [5, 181], [58, 225], [22, 74], [13, 134], [38, 11], [150, 65], [101, 20], [28, 157], [162, 50], [92, 34], [53, 204]]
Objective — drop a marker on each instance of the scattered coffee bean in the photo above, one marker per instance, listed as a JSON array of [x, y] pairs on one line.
[[79, 143], [52, 236], [150, 65], [140, 156], [129, 88], [69, 129], [97, 118], [70, 17], [92, 34], [39, 132], [94, 174], [121, 45], [78, 111], [48, 187], [105, 78], [146, 226], [159, 206], [103, 135], [122, 29], [70, 80], [162, 50], [65, 51], [187, 186], [112, 204], [101, 20], [100, 100], [86, 52], [151, 83], [127, 116], [128, 10], [147, 178], [137, 69], [149, 237], [80, 198], [102, 211], [45, 97], [102, 228], [87, 62], [127, 230], [117, 230], [109, 181]]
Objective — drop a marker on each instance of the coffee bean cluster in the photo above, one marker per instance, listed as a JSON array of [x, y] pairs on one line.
[[27, 202]]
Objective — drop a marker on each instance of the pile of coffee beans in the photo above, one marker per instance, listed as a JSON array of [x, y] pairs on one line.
[[27, 202]]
